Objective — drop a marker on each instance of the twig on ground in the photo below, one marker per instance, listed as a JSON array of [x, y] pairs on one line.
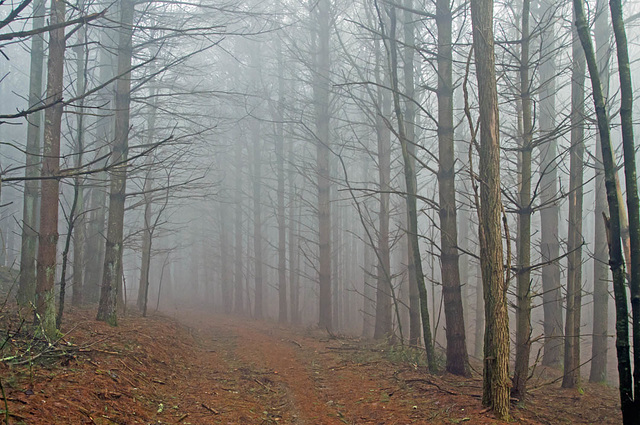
[[427, 381], [256, 379], [210, 409]]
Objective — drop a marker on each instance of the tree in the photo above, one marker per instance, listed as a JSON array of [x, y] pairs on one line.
[[599, 350], [78, 221], [27, 287], [238, 276], [409, 122], [383, 325], [633, 201], [457, 357], [95, 239], [280, 211], [48, 231], [549, 209], [112, 271], [523, 273], [411, 185], [257, 216], [294, 256], [495, 387], [571, 376], [629, 408], [321, 91]]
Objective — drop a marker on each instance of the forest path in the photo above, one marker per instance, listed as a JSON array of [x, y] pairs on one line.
[[300, 379], [306, 377], [192, 367]]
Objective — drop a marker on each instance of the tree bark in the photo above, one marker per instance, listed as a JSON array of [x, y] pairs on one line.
[[478, 346], [79, 227], [549, 241], [112, 269], [226, 274], [238, 276], [321, 90], [48, 232], [368, 292], [294, 290], [631, 183], [411, 183], [27, 285], [281, 217], [258, 311], [599, 349], [383, 326], [410, 120], [616, 261], [523, 273], [457, 357], [98, 193], [575, 241], [495, 391], [143, 286]]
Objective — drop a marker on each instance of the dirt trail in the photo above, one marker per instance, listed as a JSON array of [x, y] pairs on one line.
[[199, 369], [314, 379], [310, 378]]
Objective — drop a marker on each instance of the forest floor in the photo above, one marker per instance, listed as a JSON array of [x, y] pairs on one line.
[[198, 368]]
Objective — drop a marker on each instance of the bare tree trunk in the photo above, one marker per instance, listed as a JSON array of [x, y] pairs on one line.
[[65, 254], [479, 331], [410, 119], [411, 183], [463, 264], [48, 232], [575, 241], [282, 229], [495, 388], [628, 406], [549, 241], [523, 270], [112, 271], [98, 197], [247, 282], [95, 240], [383, 326], [79, 220], [237, 230], [368, 292], [294, 290], [147, 231], [321, 89], [336, 263], [256, 142], [143, 286], [225, 257], [457, 357], [27, 286], [599, 349], [257, 219], [631, 183]]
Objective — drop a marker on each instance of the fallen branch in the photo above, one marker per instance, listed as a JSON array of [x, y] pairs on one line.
[[427, 381], [256, 379], [214, 411]]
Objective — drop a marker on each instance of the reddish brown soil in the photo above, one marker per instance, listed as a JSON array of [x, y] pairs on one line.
[[204, 369]]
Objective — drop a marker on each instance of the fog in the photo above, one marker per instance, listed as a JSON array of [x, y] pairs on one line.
[[266, 153]]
